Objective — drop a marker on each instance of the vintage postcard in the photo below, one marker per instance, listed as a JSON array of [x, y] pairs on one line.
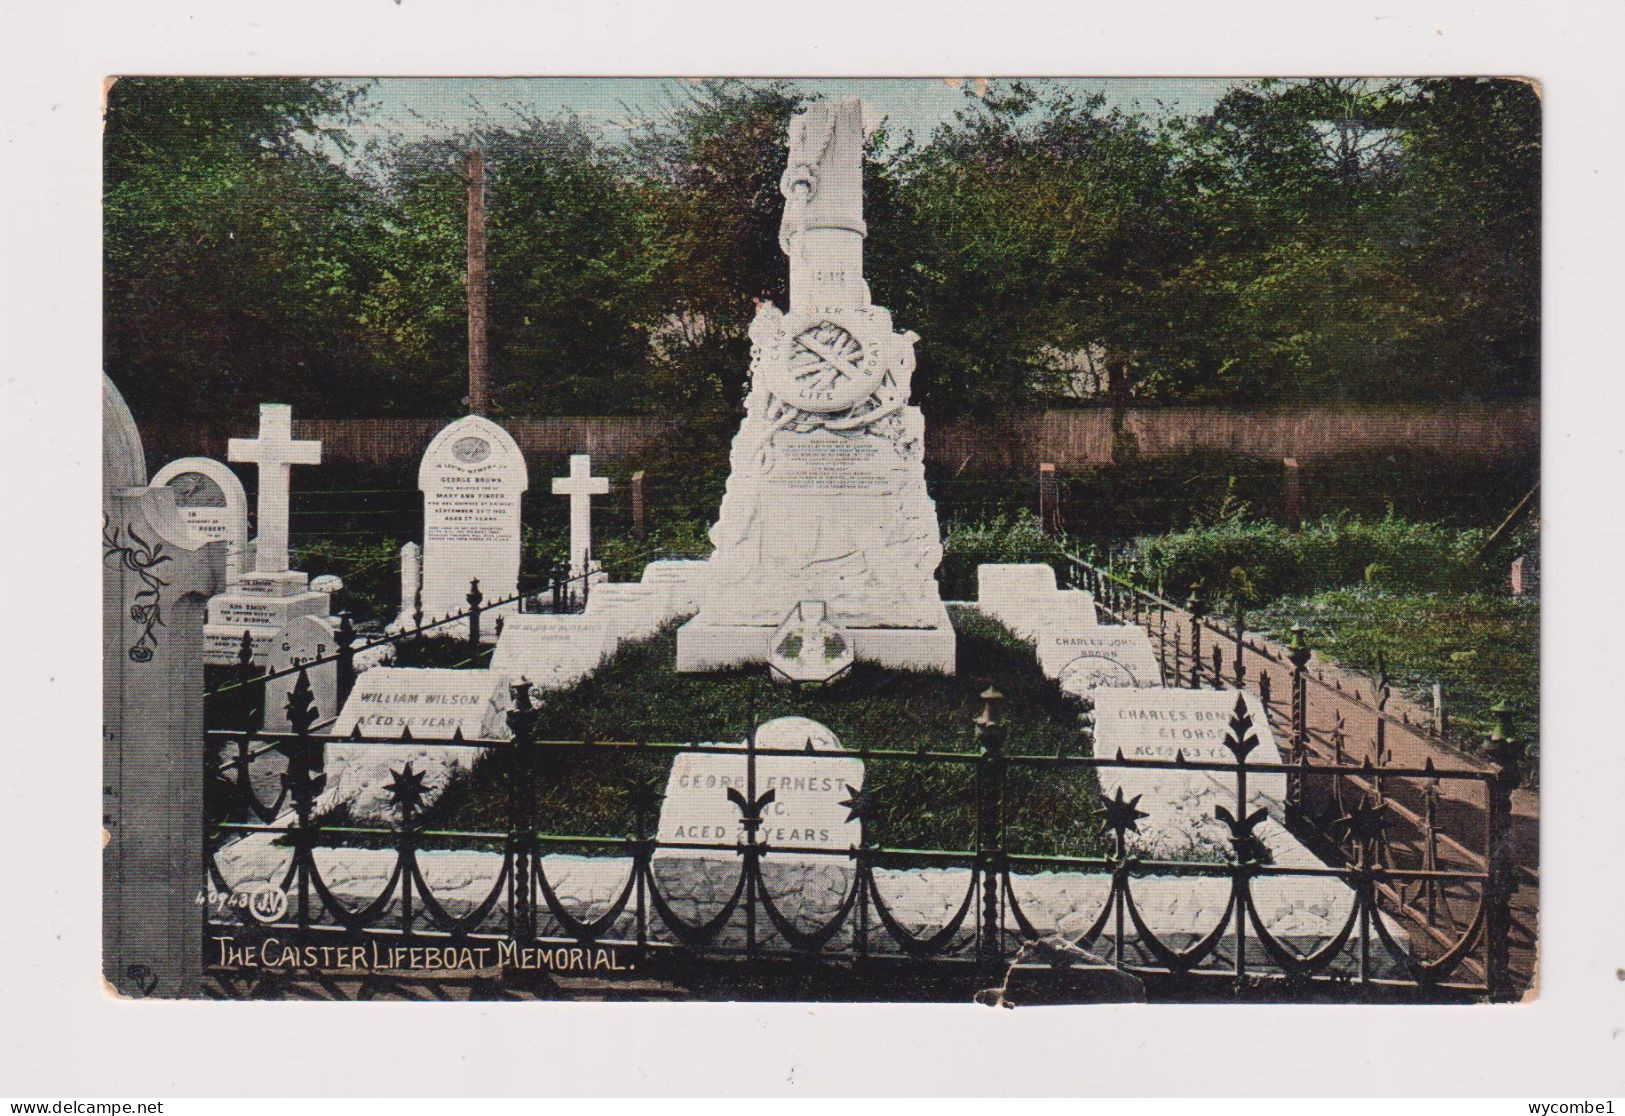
[[1057, 540]]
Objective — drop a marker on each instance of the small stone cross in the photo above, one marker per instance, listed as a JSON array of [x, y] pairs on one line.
[[581, 486], [273, 451]]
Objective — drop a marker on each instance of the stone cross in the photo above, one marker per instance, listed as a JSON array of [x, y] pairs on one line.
[[273, 451], [581, 486]]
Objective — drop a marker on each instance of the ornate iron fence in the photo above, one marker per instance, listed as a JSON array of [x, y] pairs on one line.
[[1434, 823], [990, 925]]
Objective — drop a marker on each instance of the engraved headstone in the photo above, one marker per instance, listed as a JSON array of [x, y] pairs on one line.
[[1083, 659], [472, 477], [156, 575], [305, 640], [432, 703], [1023, 597], [1163, 724], [580, 486], [812, 794], [677, 580], [628, 610], [212, 501]]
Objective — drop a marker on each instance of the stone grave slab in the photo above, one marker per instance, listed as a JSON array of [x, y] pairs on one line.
[[472, 477], [1158, 724], [434, 703], [552, 651], [1022, 596], [629, 610], [806, 811], [1082, 659]]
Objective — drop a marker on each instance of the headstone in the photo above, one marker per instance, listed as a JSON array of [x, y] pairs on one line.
[[212, 501], [411, 586], [472, 477], [812, 793], [677, 580], [1083, 659], [305, 640], [826, 496], [1022, 596], [808, 648], [1162, 724], [629, 610], [1515, 575], [433, 703], [265, 600], [551, 651], [580, 486], [157, 574]]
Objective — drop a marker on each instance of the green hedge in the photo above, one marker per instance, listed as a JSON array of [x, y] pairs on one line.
[[1343, 550]]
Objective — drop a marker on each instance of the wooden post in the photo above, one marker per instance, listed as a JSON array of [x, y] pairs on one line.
[[1294, 493], [638, 531], [1049, 510], [479, 371]]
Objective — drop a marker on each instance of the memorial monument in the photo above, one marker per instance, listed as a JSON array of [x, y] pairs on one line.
[[826, 498]]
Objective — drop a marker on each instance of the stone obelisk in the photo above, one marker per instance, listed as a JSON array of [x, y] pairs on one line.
[[826, 498]]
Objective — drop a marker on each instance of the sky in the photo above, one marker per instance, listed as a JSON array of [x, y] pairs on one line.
[[411, 108]]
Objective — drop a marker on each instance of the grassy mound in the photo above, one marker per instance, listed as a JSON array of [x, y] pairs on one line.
[[920, 805]]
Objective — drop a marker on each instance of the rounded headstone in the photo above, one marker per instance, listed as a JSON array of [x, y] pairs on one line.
[[795, 732]]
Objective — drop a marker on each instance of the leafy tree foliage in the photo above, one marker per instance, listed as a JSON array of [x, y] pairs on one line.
[[1320, 239]]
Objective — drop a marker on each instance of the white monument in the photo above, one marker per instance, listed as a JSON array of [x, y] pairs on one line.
[[580, 486], [473, 476], [826, 497], [265, 600]]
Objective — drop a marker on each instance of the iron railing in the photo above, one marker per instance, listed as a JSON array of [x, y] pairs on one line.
[[1433, 823], [987, 932]]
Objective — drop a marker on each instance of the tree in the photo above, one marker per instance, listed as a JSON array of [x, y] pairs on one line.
[[234, 248]]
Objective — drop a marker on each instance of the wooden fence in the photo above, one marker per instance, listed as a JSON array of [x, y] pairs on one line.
[[1020, 440]]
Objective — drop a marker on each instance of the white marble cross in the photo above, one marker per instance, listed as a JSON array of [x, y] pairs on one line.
[[273, 451], [581, 486]]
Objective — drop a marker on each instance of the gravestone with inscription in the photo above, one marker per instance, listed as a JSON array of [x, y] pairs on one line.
[[551, 651], [305, 640], [826, 496], [629, 610], [813, 794], [433, 703], [1165, 724], [1086, 658], [212, 501], [472, 477], [265, 600], [677, 580]]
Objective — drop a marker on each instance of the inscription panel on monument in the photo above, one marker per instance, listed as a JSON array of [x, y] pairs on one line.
[[844, 465]]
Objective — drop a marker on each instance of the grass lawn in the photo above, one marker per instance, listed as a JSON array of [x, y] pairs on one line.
[[919, 805], [1483, 648]]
